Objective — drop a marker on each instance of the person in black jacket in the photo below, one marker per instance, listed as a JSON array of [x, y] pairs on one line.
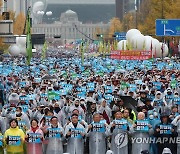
[[164, 138]]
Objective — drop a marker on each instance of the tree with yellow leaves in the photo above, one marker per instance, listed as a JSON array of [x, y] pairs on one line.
[[115, 26], [157, 9], [128, 22], [19, 24]]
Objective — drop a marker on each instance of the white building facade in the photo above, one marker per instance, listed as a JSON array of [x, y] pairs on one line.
[[69, 28]]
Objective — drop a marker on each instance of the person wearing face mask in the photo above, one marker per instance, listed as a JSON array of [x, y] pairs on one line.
[[23, 119], [158, 102], [168, 98], [76, 105], [57, 109], [91, 109], [142, 98], [151, 95], [174, 112], [154, 120]]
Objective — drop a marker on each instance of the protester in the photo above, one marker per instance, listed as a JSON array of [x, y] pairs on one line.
[[34, 138], [14, 138]]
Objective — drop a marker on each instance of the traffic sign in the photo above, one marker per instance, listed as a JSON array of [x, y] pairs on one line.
[[120, 36], [168, 27]]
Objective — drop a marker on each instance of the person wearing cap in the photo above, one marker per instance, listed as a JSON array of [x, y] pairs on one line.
[[142, 98], [97, 133], [117, 105], [75, 134], [91, 109], [119, 127], [13, 132], [54, 133], [160, 133]]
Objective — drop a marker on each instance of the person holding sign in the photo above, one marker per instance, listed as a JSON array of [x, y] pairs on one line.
[[97, 133], [14, 138], [54, 133], [34, 138], [141, 130], [1, 143], [165, 131], [119, 129], [75, 133]]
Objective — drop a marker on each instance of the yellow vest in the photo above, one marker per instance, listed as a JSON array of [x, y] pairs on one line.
[[15, 132]]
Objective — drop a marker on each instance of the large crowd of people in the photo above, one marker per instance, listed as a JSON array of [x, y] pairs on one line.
[[102, 106]]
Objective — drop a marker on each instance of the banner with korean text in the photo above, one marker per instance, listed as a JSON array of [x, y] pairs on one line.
[[131, 55]]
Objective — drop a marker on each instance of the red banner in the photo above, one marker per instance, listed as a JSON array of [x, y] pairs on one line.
[[131, 55]]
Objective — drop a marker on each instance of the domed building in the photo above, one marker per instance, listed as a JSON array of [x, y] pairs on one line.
[[69, 16], [69, 28]]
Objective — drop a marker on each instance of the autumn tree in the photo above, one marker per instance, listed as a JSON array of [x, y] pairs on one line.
[[19, 24], [115, 26], [128, 21], [156, 10]]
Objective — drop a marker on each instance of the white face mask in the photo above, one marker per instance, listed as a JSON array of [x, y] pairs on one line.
[[155, 114], [17, 112], [151, 116], [176, 95]]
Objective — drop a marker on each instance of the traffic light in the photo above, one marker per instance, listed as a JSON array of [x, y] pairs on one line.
[[115, 36], [99, 35]]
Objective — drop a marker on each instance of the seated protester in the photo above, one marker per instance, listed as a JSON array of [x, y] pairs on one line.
[[105, 111], [14, 138], [174, 112], [54, 133], [97, 133], [34, 138], [158, 102], [75, 134], [141, 129], [165, 131], [119, 126]]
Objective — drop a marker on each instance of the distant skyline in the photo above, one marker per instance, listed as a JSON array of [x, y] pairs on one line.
[[80, 1]]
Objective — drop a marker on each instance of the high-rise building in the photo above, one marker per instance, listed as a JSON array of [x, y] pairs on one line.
[[17, 6], [125, 6]]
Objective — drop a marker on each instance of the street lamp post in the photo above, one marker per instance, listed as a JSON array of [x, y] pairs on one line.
[[136, 11]]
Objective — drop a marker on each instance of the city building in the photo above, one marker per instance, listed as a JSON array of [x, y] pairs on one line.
[[69, 28], [17, 6]]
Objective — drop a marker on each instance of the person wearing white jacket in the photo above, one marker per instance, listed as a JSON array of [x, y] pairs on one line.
[[75, 134]]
